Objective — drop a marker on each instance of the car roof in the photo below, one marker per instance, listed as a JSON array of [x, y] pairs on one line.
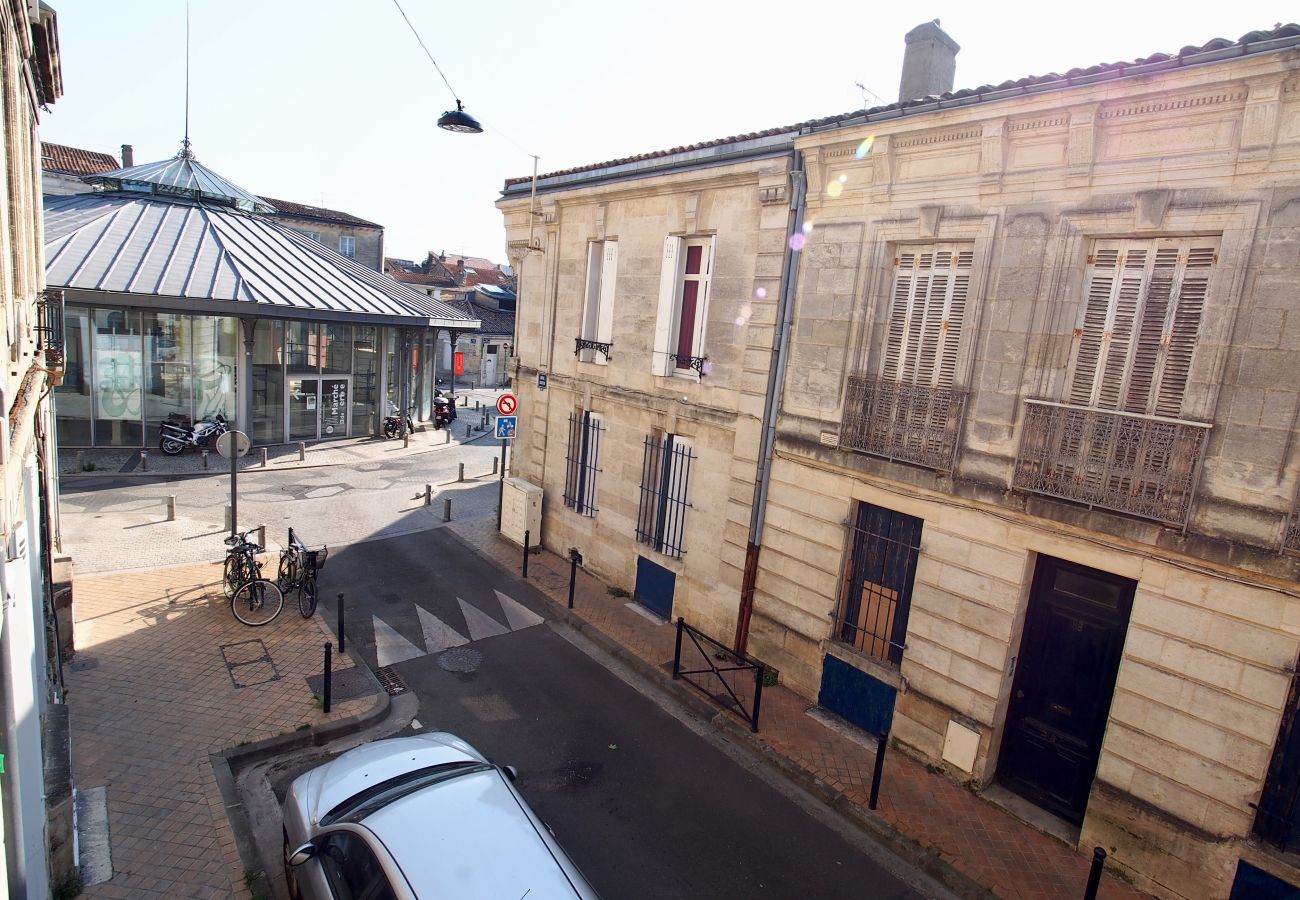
[[470, 838]]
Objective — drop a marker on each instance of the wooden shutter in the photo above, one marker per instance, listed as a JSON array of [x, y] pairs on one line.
[[667, 303], [1142, 313], [931, 287], [591, 299], [605, 304]]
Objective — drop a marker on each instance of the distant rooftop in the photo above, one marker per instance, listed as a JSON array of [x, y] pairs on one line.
[[73, 161], [303, 211]]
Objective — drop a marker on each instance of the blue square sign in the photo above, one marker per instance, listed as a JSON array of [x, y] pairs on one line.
[[506, 426]]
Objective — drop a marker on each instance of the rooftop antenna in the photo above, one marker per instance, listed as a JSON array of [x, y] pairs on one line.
[[186, 151], [866, 91]]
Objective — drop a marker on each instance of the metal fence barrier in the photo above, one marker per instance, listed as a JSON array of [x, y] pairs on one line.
[[713, 652]]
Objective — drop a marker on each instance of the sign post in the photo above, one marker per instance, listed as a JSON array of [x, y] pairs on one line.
[[507, 404], [232, 445], [507, 423]]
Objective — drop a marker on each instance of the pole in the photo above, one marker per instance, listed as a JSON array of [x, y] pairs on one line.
[[1094, 874], [325, 690], [342, 638], [234, 494], [677, 649], [879, 770], [501, 488], [574, 558], [527, 535]]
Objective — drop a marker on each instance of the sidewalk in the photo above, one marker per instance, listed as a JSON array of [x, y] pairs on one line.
[[164, 676], [924, 817]]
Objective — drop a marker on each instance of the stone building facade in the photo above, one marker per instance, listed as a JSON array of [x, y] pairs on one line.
[[1030, 504], [36, 789], [344, 233]]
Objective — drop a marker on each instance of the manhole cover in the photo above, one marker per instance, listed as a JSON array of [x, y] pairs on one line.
[[460, 659]]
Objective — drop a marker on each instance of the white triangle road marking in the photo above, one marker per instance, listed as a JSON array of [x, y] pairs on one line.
[[438, 635], [518, 615], [481, 625], [391, 647]]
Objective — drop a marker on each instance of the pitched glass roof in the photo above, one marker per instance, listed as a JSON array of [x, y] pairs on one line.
[[181, 176]]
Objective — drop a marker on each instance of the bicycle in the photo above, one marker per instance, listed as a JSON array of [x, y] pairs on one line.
[[254, 600], [298, 569]]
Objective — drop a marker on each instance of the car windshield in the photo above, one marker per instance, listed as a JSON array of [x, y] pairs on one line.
[[376, 797]]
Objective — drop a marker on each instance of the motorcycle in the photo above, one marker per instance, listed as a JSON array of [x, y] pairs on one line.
[[176, 438], [393, 422], [444, 411]]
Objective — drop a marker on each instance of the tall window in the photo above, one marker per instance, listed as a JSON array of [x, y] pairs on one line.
[[582, 464], [1141, 316], [928, 308], [598, 312], [683, 305], [348, 247], [665, 481], [877, 594]]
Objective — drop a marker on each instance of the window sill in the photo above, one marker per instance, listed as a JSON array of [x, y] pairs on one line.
[[885, 672]]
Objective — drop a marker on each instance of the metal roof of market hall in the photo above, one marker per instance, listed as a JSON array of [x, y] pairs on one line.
[[174, 235]]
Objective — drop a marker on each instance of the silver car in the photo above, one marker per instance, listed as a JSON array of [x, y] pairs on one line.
[[419, 817]]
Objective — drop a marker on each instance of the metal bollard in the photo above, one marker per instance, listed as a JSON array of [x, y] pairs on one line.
[[575, 559], [1094, 874], [476, 404], [461, 474], [446, 436], [494, 465], [406, 439], [263, 457], [205, 459], [261, 536], [468, 429], [428, 495], [302, 451], [527, 536], [879, 770], [329, 676], [144, 460], [171, 507], [342, 638], [446, 509]]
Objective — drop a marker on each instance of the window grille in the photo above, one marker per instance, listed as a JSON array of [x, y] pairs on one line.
[[877, 595], [665, 479], [582, 464], [50, 327]]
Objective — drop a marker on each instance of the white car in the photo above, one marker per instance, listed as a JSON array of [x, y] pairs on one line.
[[416, 818]]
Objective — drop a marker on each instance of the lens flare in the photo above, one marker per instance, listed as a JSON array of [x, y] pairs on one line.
[[834, 189], [807, 227], [865, 147], [843, 178], [760, 293], [797, 240]]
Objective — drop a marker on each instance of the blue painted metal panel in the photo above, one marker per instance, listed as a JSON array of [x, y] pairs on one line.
[[857, 697], [654, 587], [1252, 883]]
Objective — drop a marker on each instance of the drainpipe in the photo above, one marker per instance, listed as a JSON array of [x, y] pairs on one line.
[[775, 382]]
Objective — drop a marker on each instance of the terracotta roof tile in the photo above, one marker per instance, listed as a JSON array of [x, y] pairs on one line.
[[1072, 78], [73, 161], [302, 211]]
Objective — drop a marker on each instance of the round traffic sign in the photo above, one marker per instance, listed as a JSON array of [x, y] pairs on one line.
[[507, 404], [233, 442]]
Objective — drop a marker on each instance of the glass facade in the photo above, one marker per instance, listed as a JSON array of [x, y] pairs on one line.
[[128, 371]]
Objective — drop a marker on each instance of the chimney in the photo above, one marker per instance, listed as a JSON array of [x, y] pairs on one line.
[[929, 62], [128, 156]]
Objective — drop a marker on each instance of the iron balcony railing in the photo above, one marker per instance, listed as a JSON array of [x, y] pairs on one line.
[[1145, 466], [907, 422], [49, 327]]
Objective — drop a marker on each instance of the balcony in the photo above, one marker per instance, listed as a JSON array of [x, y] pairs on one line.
[[904, 422], [1145, 466], [49, 330]]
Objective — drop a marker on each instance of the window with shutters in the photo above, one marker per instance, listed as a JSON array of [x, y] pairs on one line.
[[1142, 311], [595, 341], [911, 410], [683, 305], [665, 480], [582, 464]]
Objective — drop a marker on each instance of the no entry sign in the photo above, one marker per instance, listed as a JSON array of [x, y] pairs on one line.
[[507, 404]]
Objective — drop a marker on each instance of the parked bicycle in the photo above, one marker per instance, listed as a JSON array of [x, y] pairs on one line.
[[298, 568], [253, 599]]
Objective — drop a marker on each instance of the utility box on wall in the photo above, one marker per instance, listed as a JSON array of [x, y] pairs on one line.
[[521, 510]]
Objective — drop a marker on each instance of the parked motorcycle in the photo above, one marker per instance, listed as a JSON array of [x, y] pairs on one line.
[[176, 438], [393, 422], [444, 411]]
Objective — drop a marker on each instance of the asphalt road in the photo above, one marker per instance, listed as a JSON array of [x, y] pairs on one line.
[[648, 806]]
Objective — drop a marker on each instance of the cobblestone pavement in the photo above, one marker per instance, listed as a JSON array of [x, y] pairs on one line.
[[933, 815], [164, 676]]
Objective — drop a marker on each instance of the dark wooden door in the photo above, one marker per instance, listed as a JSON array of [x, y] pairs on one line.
[[1065, 676]]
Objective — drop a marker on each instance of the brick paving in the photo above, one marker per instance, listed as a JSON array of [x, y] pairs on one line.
[[976, 838], [152, 695]]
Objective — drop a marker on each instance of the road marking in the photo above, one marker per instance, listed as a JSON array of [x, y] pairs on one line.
[[518, 615], [391, 647], [438, 635], [481, 625]]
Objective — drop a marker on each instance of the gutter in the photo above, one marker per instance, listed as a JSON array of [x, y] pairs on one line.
[[771, 405]]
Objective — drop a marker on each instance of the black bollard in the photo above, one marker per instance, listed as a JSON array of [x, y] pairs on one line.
[[527, 535], [881, 743], [325, 700], [342, 637], [1094, 875], [575, 559]]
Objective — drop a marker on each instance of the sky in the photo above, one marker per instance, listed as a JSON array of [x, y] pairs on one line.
[[333, 102]]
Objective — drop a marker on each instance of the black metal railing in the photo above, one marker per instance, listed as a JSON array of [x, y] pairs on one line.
[[907, 422], [665, 479], [1141, 465], [874, 608], [685, 361], [580, 344], [49, 327], [1291, 532], [720, 667], [582, 463]]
